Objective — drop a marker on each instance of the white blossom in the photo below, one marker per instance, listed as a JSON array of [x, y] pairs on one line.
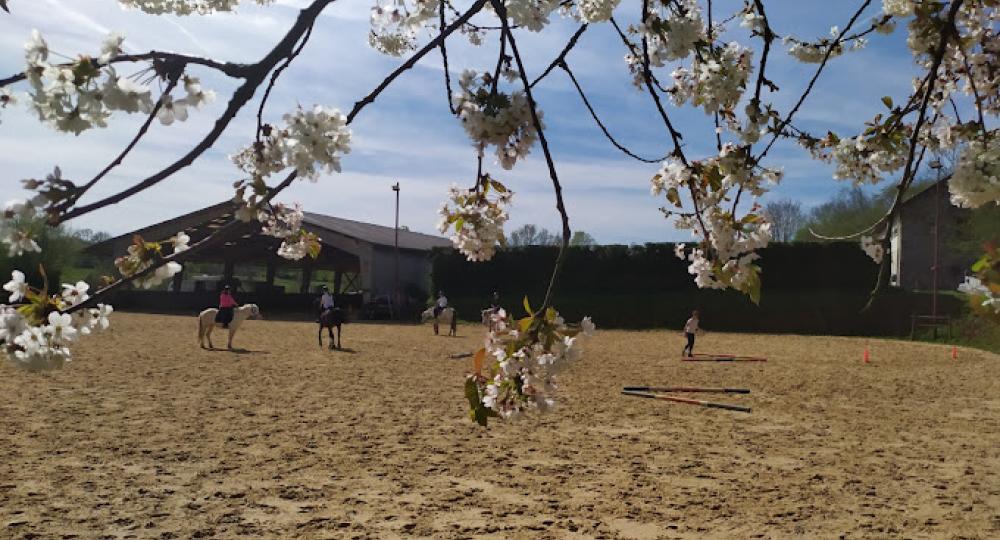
[[75, 294], [16, 286], [476, 221]]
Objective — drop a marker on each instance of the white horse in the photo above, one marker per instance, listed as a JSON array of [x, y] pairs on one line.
[[487, 317], [447, 316], [206, 323]]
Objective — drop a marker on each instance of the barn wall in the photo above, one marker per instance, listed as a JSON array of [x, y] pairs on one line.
[[916, 242], [414, 268]]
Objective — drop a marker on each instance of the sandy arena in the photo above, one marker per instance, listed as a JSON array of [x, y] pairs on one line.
[[144, 435]]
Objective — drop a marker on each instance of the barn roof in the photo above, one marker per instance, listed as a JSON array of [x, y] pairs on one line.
[[378, 235], [217, 214]]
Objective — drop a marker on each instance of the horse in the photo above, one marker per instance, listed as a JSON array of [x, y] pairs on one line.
[[328, 319], [487, 317], [447, 316], [206, 323]]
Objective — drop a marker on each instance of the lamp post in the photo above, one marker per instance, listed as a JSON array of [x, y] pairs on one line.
[[395, 289], [936, 165]]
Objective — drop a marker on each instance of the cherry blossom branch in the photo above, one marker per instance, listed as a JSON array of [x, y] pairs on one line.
[[560, 60], [274, 79], [812, 81], [234, 70], [410, 62], [646, 77], [600, 124], [172, 81], [255, 76], [550, 163], [444, 60]]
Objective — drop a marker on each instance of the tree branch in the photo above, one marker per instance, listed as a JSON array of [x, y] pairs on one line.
[[231, 69], [600, 124], [553, 175], [812, 82], [562, 55], [254, 76]]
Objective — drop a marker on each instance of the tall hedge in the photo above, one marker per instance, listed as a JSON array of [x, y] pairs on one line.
[[815, 288]]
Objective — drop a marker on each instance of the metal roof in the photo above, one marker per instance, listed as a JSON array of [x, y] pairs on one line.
[[216, 215], [375, 234]]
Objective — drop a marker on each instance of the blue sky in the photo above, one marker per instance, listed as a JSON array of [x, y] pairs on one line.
[[409, 135]]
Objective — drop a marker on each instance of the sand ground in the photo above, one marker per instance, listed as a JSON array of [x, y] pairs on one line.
[[144, 435]]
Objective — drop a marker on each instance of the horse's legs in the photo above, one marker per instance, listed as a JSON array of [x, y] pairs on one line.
[[320, 336], [435, 327], [229, 344], [338, 337], [333, 342], [208, 335]]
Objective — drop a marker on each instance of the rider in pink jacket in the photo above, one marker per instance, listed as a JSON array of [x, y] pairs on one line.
[[226, 306]]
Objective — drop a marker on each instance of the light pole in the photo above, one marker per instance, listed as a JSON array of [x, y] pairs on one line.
[[395, 289], [936, 165]]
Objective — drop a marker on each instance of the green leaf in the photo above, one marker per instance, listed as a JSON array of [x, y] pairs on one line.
[[982, 264], [888, 101], [524, 324], [674, 197], [527, 306], [459, 223], [471, 392], [550, 314], [498, 186]]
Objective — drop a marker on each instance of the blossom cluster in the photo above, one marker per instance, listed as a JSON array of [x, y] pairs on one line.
[[976, 178], [716, 81], [975, 287], [475, 218], [725, 254], [492, 117], [516, 370], [285, 222], [319, 136], [35, 333], [185, 7], [670, 36], [15, 229], [142, 255], [394, 26], [863, 160], [82, 94]]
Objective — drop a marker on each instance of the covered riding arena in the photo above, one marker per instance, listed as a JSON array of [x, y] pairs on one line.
[[358, 263]]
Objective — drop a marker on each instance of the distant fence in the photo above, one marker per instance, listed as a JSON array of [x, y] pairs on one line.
[[807, 288]]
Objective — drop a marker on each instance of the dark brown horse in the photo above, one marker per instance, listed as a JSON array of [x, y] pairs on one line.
[[328, 319]]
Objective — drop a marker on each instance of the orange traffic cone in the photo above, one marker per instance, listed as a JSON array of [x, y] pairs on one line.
[[867, 358], [954, 353]]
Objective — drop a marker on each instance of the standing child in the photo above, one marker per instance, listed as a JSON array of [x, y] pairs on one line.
[[690, 329]]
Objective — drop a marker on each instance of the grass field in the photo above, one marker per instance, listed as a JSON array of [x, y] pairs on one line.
[[144, 435]]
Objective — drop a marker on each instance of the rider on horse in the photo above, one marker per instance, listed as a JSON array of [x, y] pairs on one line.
[[325, 301], [226, 306], [440, 305]]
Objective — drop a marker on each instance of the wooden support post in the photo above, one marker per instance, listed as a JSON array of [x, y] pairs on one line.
[[338, 280], [306, 278], [272, 270], [177, 281]]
